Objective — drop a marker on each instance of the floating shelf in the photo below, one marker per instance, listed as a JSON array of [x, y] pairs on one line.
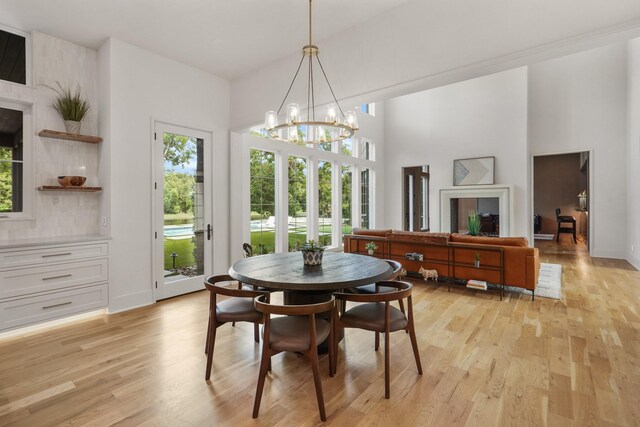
[[46, 133], [61, 188]]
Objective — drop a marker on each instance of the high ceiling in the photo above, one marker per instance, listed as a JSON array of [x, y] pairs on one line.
[[228, 38]]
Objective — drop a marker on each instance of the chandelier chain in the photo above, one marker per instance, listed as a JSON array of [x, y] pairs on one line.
[[291, 85], [329, 84]]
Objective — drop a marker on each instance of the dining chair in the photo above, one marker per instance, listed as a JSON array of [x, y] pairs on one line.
[[299, 331], [375, 288], [378, 315], [238, 308]]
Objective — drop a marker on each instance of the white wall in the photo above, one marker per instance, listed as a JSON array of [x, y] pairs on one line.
[[482, 117], [424, 44], [56, 213], [146, 87], [579, 103], [633, 153]]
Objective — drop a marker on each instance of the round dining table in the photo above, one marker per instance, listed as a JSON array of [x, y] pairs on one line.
[[287, 272], [308, 284]]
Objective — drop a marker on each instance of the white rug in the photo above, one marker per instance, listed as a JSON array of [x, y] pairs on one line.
[[544, 236], [549, 282]]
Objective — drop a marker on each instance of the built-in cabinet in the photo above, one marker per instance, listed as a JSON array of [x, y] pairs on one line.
[[46, 281]]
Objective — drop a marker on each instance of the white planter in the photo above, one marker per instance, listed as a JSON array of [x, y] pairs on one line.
[[370, 251], [72, 126], [312, 257]]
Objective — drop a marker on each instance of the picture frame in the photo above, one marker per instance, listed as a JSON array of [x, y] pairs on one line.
[[474, 171]]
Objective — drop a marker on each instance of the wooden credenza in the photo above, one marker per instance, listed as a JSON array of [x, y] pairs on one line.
[[46, 281]]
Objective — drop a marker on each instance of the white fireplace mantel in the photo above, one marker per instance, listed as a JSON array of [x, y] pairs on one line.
[[502, 192]]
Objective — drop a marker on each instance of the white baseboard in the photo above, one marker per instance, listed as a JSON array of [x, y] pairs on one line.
[[634, 261], [130, 301], [41, 327], [608, 254]]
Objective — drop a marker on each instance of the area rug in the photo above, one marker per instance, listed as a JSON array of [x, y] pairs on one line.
[[544, 236], [549, 282]]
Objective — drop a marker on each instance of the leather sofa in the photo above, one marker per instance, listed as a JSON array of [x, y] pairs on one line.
[[502, 260]]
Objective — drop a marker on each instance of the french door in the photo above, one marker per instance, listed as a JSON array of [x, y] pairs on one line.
[[182, 210]]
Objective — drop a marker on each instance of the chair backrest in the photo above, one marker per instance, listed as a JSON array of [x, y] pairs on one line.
[[397, 268], [557, 214], [293, 310], [403, 291], [247, 250], [212, 283]]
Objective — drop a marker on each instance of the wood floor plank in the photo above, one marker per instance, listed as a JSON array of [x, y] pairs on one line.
[[486, 362]]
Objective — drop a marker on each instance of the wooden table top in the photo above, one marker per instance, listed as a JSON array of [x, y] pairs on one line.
[[286, 271]]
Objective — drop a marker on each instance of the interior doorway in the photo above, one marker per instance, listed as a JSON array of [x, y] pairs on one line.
[[561, 191], [182, 210]]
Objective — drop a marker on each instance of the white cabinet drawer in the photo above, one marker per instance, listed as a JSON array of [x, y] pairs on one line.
[[24, 281], [36, 309], [19, 258]]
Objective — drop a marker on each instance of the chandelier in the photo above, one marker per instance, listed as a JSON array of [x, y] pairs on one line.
[[336, 125]]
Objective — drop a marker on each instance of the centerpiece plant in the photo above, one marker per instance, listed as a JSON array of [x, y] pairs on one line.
[[312, 252]]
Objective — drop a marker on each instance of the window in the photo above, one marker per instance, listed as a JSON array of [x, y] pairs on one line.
[[12, 162], [297, 220], [325, 222], [369, 109], [346, 180], [365, 198], [366, 150], [13, 57], [262, 200], [346, 147]]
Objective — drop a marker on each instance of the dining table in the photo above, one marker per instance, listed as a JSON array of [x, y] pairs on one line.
[[287, 272], [307, 284]]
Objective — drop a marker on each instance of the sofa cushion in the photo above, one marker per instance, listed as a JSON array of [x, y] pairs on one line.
[[483, 240], [419, 236], [365, 232]]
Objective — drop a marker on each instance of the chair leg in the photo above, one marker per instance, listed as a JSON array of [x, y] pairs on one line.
[[211, 342], [256, 332], [206, 343], [264, 366], [377, 346], [313, 355], [414, 345], [387, 387]]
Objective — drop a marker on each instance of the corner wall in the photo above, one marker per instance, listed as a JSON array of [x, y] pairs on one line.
[[633, 153], [579, 103], [145, 87]]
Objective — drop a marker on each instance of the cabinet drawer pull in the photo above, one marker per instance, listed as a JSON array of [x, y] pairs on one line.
[[56, 277], [52, 255], [56, 305]]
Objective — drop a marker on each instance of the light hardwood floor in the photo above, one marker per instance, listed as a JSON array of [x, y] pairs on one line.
[[486, 363]]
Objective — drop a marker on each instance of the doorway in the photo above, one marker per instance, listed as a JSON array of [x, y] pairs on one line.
[[182, 210], [561, 181]]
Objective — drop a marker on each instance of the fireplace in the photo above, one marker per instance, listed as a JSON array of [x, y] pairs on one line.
[[495, 199]]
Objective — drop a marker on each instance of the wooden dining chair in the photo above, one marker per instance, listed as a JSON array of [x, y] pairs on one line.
[[375, 288], [238, 308], [378, 315], [299, 331]]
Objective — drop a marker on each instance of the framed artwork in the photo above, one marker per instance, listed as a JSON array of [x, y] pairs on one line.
[[476, 171]]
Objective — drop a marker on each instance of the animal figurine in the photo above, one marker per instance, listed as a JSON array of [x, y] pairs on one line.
[[402, 274], [429, 274]]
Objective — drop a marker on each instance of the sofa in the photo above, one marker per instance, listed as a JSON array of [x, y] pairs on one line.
[[500, 260]]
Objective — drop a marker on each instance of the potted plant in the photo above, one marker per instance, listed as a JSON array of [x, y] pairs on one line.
[[370, 247], [477, 260], [474, 223], [71, 106], [312, 252]]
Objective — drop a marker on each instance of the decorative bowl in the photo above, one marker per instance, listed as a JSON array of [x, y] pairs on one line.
[[71, 180]]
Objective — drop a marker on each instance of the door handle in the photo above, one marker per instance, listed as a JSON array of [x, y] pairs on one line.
[[209, 231]]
